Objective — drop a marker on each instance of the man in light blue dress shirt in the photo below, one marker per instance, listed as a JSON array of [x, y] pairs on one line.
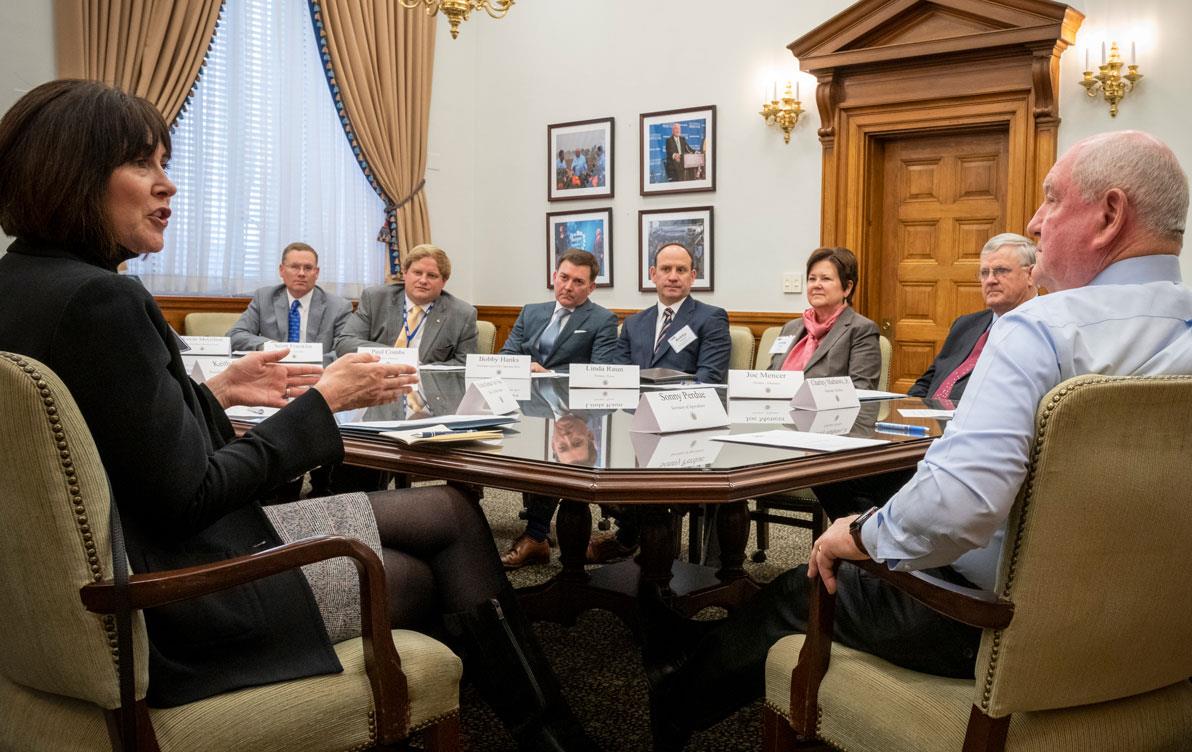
[[1110, 231]]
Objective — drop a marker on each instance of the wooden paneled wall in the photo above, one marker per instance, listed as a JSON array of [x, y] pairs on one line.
[[175, 308]]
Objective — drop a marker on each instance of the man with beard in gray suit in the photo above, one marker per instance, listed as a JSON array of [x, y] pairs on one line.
[[417, 313], [296, 310]]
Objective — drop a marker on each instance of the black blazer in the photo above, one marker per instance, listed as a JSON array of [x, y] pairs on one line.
[[186, 488], [964, 333]]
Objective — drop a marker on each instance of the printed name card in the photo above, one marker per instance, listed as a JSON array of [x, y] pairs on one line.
[[759, 411], [679, 410], [487, 397], [203, 367], [480, 366], [603, 376], [764, 384], [603, 399], [676, 451], [300, 352], [209, 345], [407, 356], [831, 422], [826, 394]]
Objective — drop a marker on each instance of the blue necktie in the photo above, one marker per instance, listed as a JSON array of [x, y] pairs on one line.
[[546, 343], [667, 317], [294, 335]]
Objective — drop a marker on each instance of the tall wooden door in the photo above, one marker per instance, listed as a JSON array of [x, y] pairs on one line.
[[939, 198]]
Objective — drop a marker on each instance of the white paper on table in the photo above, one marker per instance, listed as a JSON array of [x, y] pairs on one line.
[[403, 356], [604, 376], [685, 410], [832, 393], [876, 394], [397, 425], [208, 346], [801, 440], [439, 367], [764, 384], [547, 375], [488, 397], [300, 352], [484, 365], [255, 414], [920, 412]]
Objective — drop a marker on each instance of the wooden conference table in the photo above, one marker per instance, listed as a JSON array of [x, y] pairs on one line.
[[577, 445]]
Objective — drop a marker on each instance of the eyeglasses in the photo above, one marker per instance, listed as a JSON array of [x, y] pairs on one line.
[[308, 268], [997, 272]]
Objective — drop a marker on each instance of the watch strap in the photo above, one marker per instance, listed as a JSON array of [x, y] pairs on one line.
[[854, 529]]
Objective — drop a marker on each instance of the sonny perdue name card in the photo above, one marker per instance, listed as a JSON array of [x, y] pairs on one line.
[[407, 356], [679, 410], [487, 397], [603, 376], [483, 366], [764, 384], [300, 352], [826, 394]]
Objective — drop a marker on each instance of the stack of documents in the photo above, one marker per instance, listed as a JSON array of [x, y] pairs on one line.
[[441, 434], [442, 422]]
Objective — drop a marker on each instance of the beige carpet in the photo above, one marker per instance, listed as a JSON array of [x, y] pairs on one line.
[[599, 662]]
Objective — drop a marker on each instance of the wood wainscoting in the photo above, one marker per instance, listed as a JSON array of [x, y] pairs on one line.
[[175, 308]]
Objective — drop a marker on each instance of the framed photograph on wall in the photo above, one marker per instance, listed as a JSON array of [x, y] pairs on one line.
[[579, 158], [678, 151], [590, 231], [690, 228]]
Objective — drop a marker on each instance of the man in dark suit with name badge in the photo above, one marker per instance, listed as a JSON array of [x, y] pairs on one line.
[[296, 310]]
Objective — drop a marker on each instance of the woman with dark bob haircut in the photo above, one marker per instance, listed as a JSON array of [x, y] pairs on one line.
[[831, 339], [83, 187]]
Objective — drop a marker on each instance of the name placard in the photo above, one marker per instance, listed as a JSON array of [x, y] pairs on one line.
[[603, 376], [407, 356], [209, 345], [830, 393], [203, 367], [759, 411], [603, 399], [482, 366], [487, 397], [679, 410], [300, 352], [764, 384], [675, 451], [832, 422]]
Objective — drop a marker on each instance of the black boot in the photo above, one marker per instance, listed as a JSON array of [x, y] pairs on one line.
[[505, 662]]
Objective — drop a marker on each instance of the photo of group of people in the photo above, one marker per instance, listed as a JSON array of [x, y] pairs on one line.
[[581, 159]]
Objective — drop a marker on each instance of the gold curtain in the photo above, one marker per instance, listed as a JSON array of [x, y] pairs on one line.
[[151, 48], [383, 57]]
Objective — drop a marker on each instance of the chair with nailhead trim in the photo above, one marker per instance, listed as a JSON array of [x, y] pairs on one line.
[[59, 687], [1087, 637]]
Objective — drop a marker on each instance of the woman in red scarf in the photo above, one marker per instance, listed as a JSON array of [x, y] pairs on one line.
[[831, 339]]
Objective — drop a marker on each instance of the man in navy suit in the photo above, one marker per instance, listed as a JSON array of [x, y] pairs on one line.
[[678, 332], [1005, 273], [569, 329]]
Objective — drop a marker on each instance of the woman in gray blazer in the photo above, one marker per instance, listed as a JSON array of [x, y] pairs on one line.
[[831, 339]]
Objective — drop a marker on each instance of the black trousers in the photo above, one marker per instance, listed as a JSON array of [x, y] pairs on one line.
[[855, 496], [726, 669]]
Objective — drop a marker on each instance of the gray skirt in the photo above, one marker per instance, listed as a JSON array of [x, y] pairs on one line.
[[334, 582]]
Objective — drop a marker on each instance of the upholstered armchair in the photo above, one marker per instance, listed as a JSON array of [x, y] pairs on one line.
[[1087, 639], [59, 687]]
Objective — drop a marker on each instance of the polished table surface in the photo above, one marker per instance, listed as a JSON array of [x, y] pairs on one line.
[[592, 455]]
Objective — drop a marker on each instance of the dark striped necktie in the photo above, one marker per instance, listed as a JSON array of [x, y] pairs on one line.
[[668, 315]]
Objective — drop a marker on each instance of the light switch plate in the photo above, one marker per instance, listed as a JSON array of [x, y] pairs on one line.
[[792, 282]]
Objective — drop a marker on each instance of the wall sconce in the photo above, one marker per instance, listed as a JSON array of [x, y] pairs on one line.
[[783, 112], [1109, 79]]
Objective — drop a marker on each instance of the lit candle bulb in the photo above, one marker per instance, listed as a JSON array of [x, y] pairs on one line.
[[1086, 58], [1133, 54], [1102, 53], [797, 90]]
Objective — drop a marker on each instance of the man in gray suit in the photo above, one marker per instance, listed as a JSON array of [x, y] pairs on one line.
[[417, 313], [296, 310], [570, 328]]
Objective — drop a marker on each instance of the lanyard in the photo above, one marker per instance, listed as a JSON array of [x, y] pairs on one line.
[[405, 322]]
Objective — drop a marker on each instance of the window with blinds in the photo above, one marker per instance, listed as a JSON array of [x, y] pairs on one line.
[[260, 160]]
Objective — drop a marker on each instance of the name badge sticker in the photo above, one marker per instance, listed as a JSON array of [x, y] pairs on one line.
[[764, 384], [681, 339], [679, 410], [481, 366], [603, 376], [782, 344], [826, 394], [300, 352]]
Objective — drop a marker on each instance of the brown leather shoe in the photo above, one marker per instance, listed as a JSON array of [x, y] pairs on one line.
[[525, 550], [605, 548]]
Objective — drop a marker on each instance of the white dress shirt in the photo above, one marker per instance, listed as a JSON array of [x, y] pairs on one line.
[[1134, 318]]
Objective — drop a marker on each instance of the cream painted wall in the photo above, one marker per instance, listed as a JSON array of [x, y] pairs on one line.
[[548, 62]]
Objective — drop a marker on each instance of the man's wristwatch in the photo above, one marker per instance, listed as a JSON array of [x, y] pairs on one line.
[[854, 529]]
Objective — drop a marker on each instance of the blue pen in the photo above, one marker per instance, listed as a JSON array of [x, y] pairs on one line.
[[902, 428]]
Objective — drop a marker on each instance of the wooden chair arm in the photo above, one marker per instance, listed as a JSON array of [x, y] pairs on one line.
[[381, 662], [976, 608]]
